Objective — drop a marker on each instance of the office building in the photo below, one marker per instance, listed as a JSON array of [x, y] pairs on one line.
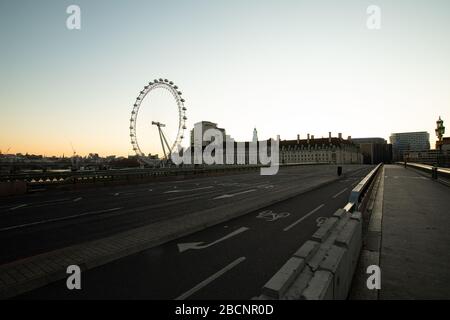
[[408, 141]]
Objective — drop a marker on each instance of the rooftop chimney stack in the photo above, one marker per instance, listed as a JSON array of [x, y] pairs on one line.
[[349, 138], [329, 137], [340, 136], [298, 139], [312, 137], [308, 139]]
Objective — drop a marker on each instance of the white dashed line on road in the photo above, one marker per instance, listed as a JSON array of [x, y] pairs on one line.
[[233, 194], [19, 206], [207, 281], [339, 193], [188, 190], [193, 196], [303, 218]]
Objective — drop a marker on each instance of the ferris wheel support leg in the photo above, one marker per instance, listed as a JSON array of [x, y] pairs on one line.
[[167, 144], [162, 143]]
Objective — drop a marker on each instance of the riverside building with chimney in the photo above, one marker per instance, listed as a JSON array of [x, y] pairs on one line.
[[329, 150]]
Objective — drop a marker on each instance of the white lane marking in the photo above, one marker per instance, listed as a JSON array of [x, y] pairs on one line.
[[303, 218], [19, 206], [197, 245], [193, 196], [150, 189], [228, 184], [40, 204], [207, 281], [339, 193], [187, 190], [266, 186], [77, 199], [233, 194], [116, 194], [129, 193], [58, 219], [51, 201]]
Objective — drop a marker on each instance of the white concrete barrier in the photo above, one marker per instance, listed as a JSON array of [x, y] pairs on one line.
[[323, 267], [329, 259]]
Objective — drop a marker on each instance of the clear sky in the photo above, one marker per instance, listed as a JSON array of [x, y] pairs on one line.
[[284, 67]]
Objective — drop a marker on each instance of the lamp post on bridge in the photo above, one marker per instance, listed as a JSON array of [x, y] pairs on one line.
[[440, 130]]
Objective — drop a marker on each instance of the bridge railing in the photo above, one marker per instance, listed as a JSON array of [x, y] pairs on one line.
[[111, 175], [358, 199], [49, 177], [323, 266], [437, 173]]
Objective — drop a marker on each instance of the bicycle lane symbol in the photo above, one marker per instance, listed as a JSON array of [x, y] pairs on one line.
[[320, 221], [270, 216]]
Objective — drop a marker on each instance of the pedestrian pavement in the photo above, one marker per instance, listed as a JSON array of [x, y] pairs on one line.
[[415, 236]]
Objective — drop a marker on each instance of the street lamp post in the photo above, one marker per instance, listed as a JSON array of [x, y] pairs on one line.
[[440, 131]]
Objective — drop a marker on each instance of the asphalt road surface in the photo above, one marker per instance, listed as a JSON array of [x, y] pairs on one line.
[[231, 260], [37, 223]]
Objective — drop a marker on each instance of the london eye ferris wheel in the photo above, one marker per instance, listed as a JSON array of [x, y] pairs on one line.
[[167, 147]]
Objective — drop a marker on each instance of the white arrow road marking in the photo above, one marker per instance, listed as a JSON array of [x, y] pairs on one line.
[[197, 245], [207, 281], [339, 193], [58, 219], [303, 218], [19, 206], [233, 194], [187, 190]]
